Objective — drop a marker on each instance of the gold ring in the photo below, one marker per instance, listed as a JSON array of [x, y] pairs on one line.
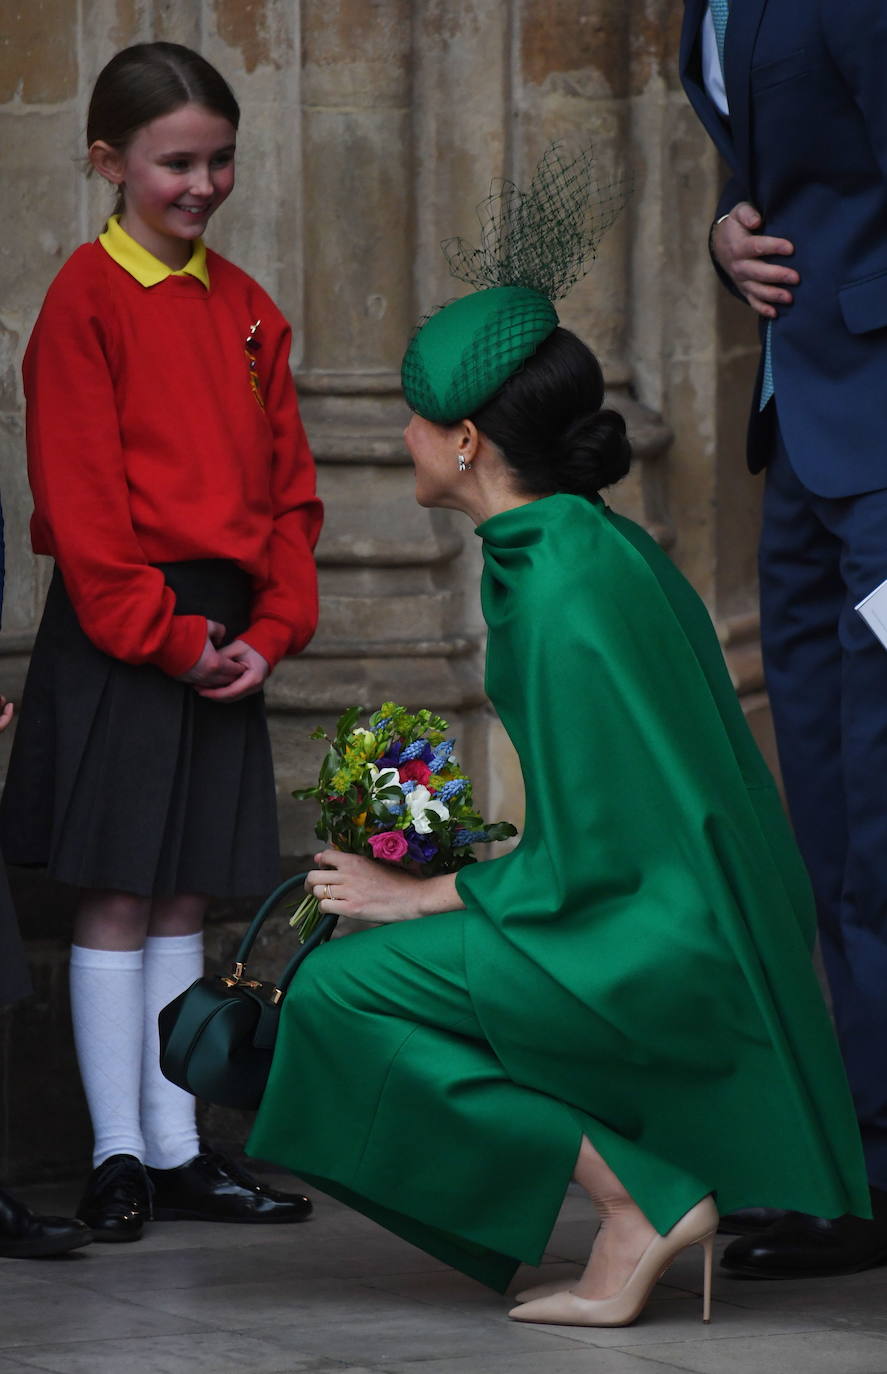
[[329, 893]]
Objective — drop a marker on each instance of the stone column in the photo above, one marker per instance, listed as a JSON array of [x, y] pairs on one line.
[[39, 89], [390, 621], [462, 115], [573, 81], [546, 70]]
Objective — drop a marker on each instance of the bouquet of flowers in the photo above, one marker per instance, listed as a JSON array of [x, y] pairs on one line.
[[394, 791]]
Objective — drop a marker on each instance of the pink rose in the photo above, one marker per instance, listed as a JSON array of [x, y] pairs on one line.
[[415, 771], [390, 845]]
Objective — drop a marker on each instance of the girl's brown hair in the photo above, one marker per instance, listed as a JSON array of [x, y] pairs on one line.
[[147, 81]]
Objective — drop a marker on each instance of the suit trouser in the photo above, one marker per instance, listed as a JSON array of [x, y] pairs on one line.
[[827, 679]]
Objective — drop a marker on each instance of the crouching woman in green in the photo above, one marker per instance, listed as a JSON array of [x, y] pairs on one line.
[[627, 998]]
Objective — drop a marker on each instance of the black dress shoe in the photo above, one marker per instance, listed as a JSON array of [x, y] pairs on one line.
[[23, 1235], [212, 1188], [801, 1246], [748, 1221], [116, 1201]]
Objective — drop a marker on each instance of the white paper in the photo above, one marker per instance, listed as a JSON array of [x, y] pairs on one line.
[[873, 609]]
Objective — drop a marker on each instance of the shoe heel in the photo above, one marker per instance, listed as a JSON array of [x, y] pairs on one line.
[[708, 1245]]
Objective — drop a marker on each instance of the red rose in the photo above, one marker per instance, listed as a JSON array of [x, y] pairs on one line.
[[415, 771]]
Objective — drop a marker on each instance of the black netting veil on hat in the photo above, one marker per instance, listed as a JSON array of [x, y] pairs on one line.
[[535, 245], [546, 237]]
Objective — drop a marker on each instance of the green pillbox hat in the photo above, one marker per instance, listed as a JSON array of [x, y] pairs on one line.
[[462, 355]]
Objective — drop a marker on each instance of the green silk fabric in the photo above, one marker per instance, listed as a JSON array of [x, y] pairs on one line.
[[657, 898], [464, 353], [638, 968]]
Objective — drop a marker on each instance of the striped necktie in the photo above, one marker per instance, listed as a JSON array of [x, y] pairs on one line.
[[720, 13]]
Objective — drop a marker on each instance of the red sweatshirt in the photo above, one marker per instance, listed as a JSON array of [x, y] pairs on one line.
[[148, 442]]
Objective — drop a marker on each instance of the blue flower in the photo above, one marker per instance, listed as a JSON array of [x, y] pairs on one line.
[[464, 837], [407, 787], [423, 848], [419, 749], [441, 755], [392, 758], [452, 788]]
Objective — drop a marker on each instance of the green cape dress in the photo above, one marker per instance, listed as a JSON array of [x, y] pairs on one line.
[[637, 969]]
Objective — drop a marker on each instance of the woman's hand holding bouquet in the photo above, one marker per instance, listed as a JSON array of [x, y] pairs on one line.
[[394, 794], [378, 893]]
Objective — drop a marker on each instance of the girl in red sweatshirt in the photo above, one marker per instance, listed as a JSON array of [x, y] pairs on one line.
[[174, 487]]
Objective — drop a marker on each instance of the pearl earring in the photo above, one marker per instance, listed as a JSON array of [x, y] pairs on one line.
[[463, 465]]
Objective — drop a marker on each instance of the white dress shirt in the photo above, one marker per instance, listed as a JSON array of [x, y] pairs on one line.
[[712, 75]]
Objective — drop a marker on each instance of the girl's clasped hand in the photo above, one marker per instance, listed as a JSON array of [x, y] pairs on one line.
[[227, 673]]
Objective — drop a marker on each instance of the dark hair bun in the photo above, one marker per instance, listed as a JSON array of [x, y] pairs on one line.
[[548, 423], [593, 453]]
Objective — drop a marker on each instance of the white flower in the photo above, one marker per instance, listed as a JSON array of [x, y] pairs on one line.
[[419, 801], [382, 778]]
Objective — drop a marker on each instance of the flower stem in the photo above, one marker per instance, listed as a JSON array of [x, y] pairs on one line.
[[305, 917]]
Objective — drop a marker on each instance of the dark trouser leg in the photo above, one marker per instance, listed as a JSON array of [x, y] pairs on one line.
[[827, 678]]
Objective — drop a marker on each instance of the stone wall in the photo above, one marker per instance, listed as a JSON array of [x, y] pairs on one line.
[[370, 131]]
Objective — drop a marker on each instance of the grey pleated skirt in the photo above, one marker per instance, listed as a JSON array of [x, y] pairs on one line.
[[123, 778]]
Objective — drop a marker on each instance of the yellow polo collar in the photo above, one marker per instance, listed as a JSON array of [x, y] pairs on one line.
[[142, 265]]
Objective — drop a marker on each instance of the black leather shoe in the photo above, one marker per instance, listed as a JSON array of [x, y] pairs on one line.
[[212, 1188], [748, 1221], [23, 1235], [800, 1246], [116, 1201]]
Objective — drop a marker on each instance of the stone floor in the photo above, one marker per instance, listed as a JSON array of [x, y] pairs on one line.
[[340, 1296]]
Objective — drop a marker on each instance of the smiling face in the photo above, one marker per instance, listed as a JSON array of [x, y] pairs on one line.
[[175, 172]]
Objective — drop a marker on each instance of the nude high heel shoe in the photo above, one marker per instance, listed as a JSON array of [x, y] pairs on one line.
[[545, 1290], [566, 1308]]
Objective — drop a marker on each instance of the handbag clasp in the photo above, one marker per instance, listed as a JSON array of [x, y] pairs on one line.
[[236, 976]]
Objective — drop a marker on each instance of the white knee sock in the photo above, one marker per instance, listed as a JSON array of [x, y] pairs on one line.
[[107, 1011], [172, 962]]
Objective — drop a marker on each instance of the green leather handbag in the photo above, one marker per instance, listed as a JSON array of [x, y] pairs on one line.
[[217, 1037]]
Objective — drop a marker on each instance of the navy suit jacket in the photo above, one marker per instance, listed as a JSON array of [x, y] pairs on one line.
[[806, 143]]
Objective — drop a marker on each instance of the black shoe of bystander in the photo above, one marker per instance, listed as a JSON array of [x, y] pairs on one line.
[[801, 1246], [25, 1235], [211, 1187], [749, 1221]]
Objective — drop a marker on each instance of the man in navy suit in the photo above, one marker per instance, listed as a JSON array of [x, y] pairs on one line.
[[794, 94]]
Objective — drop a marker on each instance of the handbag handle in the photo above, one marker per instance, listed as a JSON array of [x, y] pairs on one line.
[[321, 932]]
